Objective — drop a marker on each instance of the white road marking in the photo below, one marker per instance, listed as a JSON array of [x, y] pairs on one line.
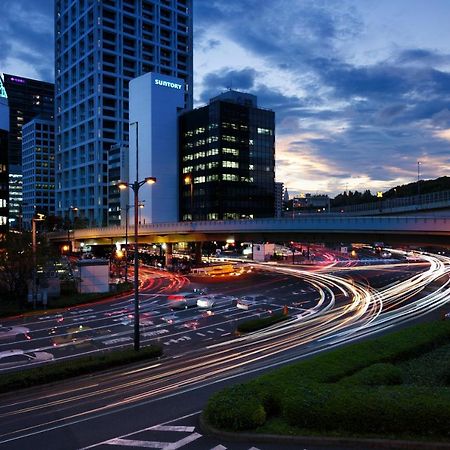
[[220, 329], [219, 447], [173, 428], [183, 442], [253, 448], [201, 334], [140, 444]]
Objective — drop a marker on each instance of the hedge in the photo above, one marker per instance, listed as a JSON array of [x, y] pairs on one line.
[[259, 324], [79, 366], [320, 394]]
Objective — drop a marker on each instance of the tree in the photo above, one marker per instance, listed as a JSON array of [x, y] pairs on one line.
[[17, 264]]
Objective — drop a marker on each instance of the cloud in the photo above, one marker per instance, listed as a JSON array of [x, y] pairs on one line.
[[27, 44]]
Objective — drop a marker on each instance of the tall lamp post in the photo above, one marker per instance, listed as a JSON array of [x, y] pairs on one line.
[[127, 209], [39, 218], [136, 186], [74, 209], [418, 181]]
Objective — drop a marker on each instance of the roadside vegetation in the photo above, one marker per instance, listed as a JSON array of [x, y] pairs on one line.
[[79, 366], [396, 386], [260, 323]]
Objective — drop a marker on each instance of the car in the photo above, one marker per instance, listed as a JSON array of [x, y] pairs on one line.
[[183, 300], [206, 302], [14, 332], [13, 358], [81, 336]]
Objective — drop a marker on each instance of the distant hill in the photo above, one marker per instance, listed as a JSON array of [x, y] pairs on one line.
[[405, 190]]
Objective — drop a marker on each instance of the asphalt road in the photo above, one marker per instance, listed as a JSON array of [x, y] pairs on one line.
[[122, 408]]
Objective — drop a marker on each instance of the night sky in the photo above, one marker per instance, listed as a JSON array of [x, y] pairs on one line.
[[360, 88]]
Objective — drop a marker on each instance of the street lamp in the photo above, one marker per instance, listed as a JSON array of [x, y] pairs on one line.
[[188, 180], [39, 218], [136, 186], [74, 209], [127, 209], [418, 181]]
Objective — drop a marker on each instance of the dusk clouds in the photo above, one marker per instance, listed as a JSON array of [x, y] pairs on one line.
[[361, 89]]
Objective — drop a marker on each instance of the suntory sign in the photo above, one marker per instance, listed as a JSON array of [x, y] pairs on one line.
[[168, 84]]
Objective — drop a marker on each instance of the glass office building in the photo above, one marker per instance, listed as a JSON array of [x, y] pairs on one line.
[[227, 160], [38, 167], [27, 99], [100, 47]]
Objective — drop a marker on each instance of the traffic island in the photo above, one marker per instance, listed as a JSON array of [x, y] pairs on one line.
[[390, 392], [56, 371]]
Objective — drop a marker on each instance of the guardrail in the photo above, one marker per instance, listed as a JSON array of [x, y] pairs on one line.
[[306, 223]]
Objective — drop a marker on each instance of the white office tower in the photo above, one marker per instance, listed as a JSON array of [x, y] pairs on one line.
[[155, 101], [100, 47]]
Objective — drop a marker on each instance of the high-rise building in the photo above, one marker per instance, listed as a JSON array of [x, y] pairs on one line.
[[227, 160], [279, 191], [4, 129], [155, 103], [38, 167], [27, 99], [100, 47]]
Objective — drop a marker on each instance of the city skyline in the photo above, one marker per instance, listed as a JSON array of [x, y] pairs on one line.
[[360, 91]]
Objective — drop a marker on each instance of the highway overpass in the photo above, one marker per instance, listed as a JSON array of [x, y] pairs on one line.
[[306, 228]]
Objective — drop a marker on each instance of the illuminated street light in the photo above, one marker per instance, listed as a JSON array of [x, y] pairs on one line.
[[39, 218], [136, 186], [188, 180]]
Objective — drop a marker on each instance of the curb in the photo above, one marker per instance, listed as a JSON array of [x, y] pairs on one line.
[[358, 443]]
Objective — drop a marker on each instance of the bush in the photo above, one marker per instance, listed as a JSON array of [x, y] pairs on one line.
[[259, 324], [235, 408], [310, 394], [376, 375], [80, 366]]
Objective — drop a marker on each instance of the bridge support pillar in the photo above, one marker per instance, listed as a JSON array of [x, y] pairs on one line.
[[169, 251], [198, 253]]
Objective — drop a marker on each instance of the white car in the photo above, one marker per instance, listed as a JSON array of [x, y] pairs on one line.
[[13, 333], [206, 302], [13, 358]]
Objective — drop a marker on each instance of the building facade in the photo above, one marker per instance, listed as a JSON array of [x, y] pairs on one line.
[[4, 130], [155, 103], [38, 168], [227, 160], [100, 47], [27, 99], [279, 193]]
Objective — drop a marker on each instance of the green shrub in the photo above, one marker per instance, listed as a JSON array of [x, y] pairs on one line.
[[235, 408], [376, 375], [309, 394], [259, 324], [79, 366]]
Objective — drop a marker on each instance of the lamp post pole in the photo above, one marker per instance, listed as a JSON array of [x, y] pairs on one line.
[[135, 186], [418, 182], [127, 209], [40, 218]]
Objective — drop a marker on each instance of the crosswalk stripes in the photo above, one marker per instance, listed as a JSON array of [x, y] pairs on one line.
[[219, 447]]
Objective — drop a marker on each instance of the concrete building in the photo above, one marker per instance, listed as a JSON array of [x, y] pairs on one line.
[[38, 167], [27, 99], [100, 47], [227, 160], [155, 103], [279, 195], [4, 129]]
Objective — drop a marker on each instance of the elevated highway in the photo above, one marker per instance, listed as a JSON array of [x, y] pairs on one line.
[[312, 228]]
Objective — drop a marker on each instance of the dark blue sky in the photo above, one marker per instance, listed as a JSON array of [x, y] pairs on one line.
[[361, 88]]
